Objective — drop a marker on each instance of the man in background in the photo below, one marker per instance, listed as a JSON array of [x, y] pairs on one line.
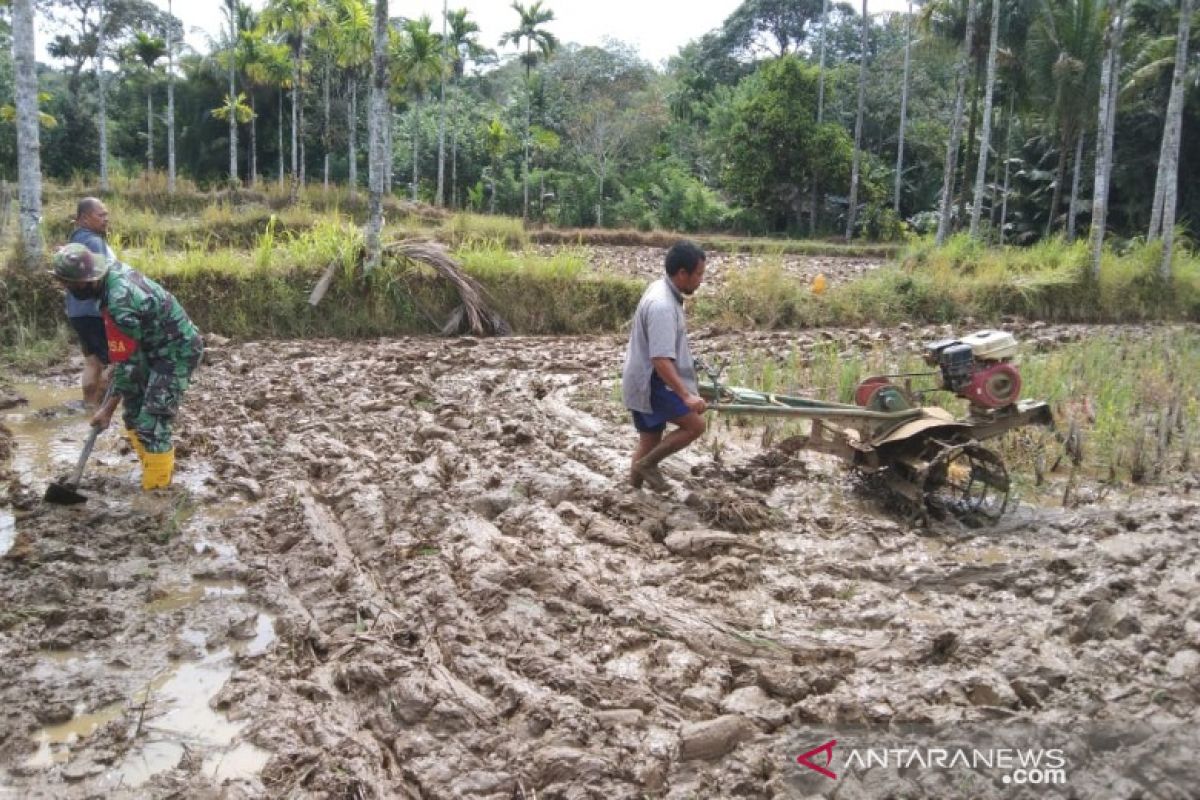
[[91, 228]]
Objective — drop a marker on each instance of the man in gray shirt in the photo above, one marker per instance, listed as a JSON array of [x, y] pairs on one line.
[[91, 227], [658, 383]]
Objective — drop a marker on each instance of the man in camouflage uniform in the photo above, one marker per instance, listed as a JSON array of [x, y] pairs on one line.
[[153, 345]]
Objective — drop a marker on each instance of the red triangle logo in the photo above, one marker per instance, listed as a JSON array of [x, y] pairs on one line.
[[827, 749]]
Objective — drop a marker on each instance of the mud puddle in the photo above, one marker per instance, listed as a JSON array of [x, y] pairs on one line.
[[127, 618]]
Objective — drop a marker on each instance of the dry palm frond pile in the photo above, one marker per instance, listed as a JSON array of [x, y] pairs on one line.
[[473, 315]]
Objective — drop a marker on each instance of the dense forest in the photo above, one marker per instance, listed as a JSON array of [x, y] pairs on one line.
[[752, 128]]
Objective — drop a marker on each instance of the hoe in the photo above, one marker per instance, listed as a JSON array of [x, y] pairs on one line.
[[929, 459]]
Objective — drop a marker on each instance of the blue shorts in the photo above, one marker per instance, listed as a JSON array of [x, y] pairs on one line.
[[92, 336], [666, 406]]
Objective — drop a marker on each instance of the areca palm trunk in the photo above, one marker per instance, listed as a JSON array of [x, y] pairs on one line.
[[351, 135], [454, 169], [303, 177], [852, 209], [389, 141], [956, 126], [1075, 187], [149, 131], [1160, 182], [1007, 153], [253, 141], [1169, 156], [376, 120], [416, 130], [103, 101], [170, 104], [525, 170], [985, 141], [295, 124], [1110, 71], [903, 110], [816, 182], [441, 179], [29, 165], [233, 143], [325, 139], [281, 162], [1060, 175]]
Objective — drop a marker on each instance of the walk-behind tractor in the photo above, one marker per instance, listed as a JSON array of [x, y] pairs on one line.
[[930, 460]]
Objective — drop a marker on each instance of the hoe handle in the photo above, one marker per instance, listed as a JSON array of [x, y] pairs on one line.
[[90, 443], [83, 457]]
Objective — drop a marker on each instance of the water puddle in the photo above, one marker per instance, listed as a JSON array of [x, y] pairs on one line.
[[193, 593], [48, 432], [173, 714], [8, 531]]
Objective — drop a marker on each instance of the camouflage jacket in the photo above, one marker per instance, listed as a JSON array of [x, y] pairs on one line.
[[151, 316]]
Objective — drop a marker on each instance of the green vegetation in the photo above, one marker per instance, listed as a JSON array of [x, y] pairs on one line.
[[1048, 281], [721, 136], [245, 271], [1125, 404]]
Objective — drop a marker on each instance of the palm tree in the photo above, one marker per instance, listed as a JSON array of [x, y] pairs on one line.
[[956, 126], [294, 19], [463, 40], [496, 141], [462, 44], [986, 138], [376, 121], [102, 89], [275, 69], [531, 31], [1066, 52], [231, 9], [29, 165], [812, 219], [148, 50], [257, 59], [353, 45], [1167, 182], [324, 45], [441, 179], [1110, 72], [852, 208], [170, 99], [419, 60], [903, 108]]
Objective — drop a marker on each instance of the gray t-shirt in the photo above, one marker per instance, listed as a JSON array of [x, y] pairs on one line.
[[659, 331]]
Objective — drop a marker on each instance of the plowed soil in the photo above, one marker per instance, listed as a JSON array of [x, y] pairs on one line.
[[412, 568]]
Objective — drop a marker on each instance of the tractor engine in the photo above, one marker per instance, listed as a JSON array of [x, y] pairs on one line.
[[977, 368]]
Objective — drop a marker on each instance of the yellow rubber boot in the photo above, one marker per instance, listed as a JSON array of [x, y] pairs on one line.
[[157, 469], [137, 445]]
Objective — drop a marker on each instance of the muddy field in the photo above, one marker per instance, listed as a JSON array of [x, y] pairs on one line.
[[647, 262], [411, 568]]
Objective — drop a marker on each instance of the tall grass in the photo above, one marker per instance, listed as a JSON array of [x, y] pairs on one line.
[[1126, 405], [551, 293], [466, 229]]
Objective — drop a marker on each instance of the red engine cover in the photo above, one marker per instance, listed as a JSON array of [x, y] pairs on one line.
[[994, 387]]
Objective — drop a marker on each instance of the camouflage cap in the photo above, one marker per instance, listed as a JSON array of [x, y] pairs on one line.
[[74, 262]]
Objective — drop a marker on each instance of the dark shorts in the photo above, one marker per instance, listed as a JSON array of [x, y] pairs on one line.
[[92, 337], [666, 406]]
